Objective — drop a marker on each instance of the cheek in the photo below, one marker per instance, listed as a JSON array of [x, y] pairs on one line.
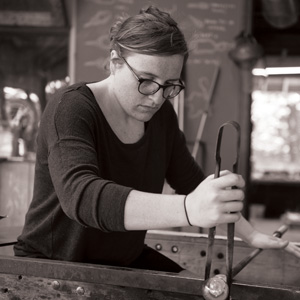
[[122, 83], [127, 89], [126, 93]]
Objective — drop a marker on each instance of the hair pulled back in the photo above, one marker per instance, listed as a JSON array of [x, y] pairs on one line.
[[151, 32]]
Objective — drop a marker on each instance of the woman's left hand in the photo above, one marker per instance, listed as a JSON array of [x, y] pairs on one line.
[[264, 241], [292, 248]]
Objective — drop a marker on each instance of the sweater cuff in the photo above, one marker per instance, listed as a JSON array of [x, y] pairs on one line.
[[112, 207]]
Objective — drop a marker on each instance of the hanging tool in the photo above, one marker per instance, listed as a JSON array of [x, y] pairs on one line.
[[205, 113], [230, 226]]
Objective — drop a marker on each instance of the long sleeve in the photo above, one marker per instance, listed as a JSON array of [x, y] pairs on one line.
[[74, 167], [84, 174]]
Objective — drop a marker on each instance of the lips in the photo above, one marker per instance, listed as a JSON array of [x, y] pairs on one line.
[[149, 108]]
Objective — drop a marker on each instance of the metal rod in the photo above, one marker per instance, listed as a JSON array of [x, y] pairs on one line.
[[244, 262], [229, 254], [231, 227], [210, 245]]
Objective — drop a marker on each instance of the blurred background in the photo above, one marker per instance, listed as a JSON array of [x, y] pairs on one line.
[[244, 65]]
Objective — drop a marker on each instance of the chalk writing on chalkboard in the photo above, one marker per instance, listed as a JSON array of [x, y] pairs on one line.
[[219, 8], [200, 95], [202, 46]]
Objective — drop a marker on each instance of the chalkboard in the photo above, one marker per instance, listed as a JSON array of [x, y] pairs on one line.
[[209, 28]]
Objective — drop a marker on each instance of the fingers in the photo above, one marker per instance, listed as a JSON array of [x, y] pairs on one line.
[[264, 241], [230, 218], [223, 186], [272, 242], [230, 195], [232, 206], [222, 173], [293, 249], [227, 179], [214, 201], [277, 242]]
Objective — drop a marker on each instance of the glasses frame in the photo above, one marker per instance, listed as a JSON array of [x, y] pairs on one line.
[[160, 86]]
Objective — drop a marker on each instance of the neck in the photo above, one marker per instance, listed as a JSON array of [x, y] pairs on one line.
[[127, 129]]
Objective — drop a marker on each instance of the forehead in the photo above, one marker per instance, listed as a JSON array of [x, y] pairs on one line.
[[164, 67]]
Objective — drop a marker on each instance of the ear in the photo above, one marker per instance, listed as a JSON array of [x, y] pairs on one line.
[[114, 61], [114, 55]]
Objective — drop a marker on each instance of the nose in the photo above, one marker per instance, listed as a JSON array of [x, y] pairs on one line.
[[157, 98]]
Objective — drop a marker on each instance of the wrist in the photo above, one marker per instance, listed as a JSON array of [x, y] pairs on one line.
[[245, 230]]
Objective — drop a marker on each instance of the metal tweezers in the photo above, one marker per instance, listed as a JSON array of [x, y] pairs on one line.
[[230, 226]]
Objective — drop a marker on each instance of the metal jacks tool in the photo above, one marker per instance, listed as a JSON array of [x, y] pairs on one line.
[[223, 292]]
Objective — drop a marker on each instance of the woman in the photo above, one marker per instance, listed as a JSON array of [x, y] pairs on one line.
[[105, 149]]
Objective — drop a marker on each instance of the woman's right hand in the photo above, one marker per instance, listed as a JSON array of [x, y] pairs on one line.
[[215, 201]]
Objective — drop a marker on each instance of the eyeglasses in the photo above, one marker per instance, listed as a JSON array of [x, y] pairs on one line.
[[150, 87]]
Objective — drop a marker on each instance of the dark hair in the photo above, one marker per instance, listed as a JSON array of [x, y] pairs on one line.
[[151, 32]]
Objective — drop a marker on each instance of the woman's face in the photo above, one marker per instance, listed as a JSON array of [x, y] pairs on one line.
[[162, 69]]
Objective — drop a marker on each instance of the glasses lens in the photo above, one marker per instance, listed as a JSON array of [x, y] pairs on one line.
[[172, 91], [148, 87]]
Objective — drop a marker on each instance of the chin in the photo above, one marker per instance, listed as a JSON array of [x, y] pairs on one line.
[[145, 117]]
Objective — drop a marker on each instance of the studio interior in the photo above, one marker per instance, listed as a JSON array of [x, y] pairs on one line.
[[243, 70]]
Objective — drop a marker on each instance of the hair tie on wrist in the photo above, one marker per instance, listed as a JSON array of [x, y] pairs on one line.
[[187, 217]]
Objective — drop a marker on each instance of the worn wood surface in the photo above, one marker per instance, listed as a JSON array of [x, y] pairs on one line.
[[25, 278], [29, 288], [189, 250]]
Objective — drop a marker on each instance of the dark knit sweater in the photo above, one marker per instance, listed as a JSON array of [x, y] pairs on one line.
[[84, 174]]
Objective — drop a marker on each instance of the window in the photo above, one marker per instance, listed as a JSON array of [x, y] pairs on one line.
[[275, 138]]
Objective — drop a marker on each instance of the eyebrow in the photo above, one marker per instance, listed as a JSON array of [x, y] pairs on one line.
[[147, 73], [141, 73]]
